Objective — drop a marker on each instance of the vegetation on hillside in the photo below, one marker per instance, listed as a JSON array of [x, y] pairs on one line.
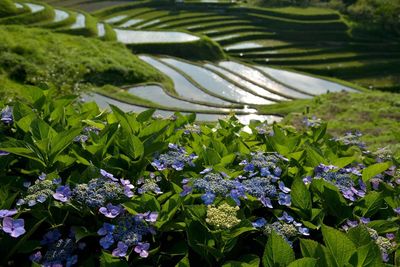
[[40, 57]]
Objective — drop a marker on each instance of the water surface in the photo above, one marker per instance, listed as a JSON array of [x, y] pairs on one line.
[[35, 8], [60, 15], [142, 37], [129, 23], [101, 29], [115, 19], [80, 21]]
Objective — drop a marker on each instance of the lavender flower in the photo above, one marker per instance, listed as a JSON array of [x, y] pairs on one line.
[[50, 237], [260, 222], [7, 213], [111, 211], [13, 227], [142, 249], [127, 187], [7, 115], [108, 175], [121, 250], [63, 193], [36, 257], [307, 180], [397, 210], [4, 153], [284, 199], [265, 164]]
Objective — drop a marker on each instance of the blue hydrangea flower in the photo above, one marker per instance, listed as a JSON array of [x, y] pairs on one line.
[[284, 199], [260, 222], [108, 175], [111, 211], [7, 115], [264, 164], [50, 237], [208, 198], [63, 193], [176, 158], [14, 227], [7, 213], [121, 250], [149, 184], [142, 249]]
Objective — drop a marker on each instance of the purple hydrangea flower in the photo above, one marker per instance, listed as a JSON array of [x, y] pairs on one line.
[[42, 176], [71, 260], [7, 213], [365, 220], [397, 210], [142, 249], [57, 180], [108, 175], [304, 231], [63, 193], [283, 188], [390, 236], [36, 257], [352, 223], [7, 115], [207, 170], [41, 198], [266, 201], [111, 211], [307, 180], [284, 199], [208, 198], [107, 228], [121, 250], [260, 222], [4, 153], [286, 218], [149, 216], [186, 190], [14, 227]]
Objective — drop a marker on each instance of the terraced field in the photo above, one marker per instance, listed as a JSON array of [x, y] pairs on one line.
[[266, 60]]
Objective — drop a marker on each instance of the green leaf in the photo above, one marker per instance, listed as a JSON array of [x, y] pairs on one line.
[[312, 249], [370, 204], [301, 197], [128, 123], [304, 262], [367, 256], [184, 262], [136, 147], [61, 141], [359, 236], [314, 157], [277, 252], [41, 130], [383, 226], [343, 162], [339, 245], [107, 260], [145, 115], [375, 169], [244, 261]]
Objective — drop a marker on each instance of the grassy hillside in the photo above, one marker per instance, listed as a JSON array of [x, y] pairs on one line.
[[40, 57], [375, 114]]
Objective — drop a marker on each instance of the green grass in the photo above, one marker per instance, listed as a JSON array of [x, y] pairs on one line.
[[375, 114], [7, 8], [28, 18], [40, 57]]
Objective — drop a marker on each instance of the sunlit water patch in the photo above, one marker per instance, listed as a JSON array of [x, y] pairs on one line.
[[80, 21], [244, 45], [115, 19], [130, 23], [246, 84], [35, 8], [152, 22], [158, 96], [305, 83], [182, 86], [216, 84], [142, 37], [104, 102], [101, 29], [261, 79], [18, 5], [60, 15]]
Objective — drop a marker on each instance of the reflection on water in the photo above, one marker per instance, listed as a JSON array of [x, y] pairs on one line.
[[305, 83], [60, 15], [103, 102], [116, 19], [130, 23], [250, 86], [101, 29], [80, 21], [35, 8], [140, 37], [216, 84], [244, 45], [18, 5], [182, 86], [259, 78]]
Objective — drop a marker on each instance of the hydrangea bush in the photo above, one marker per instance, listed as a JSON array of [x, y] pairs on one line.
[[82, 187]]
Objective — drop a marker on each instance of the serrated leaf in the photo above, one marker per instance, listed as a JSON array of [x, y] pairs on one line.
[[301, 197], [359, 236], [339, 245], [107, 260], [277, 252], [368, 256]]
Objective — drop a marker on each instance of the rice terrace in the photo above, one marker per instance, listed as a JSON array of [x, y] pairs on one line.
[[200, 133]]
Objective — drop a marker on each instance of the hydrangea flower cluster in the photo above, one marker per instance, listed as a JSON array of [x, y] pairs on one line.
[[40, 191], [128, 231], [265, 129], [176, 158], [312, 122], [149, 184], [342, 178], [222, 217], [263, 164], [351, 139], [386, 244], [102, 190], [192, 128], [60, 252], [82, 138], [7, 115], [286, 227]]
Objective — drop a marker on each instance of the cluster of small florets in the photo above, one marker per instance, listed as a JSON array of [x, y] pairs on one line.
[[176, 158], [85, 134], [7, 115], [265, 164], [312, 122], [60, 252], [39, 192], [212, 184], [128, 231], [265, 129], [351, 139], [191, 128], [149, 184], [222, 217], [286, 227], [386, 244], [102, 190], [342, 178]]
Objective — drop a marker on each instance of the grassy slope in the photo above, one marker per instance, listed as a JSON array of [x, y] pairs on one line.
[[375, 114], [33, 56]]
